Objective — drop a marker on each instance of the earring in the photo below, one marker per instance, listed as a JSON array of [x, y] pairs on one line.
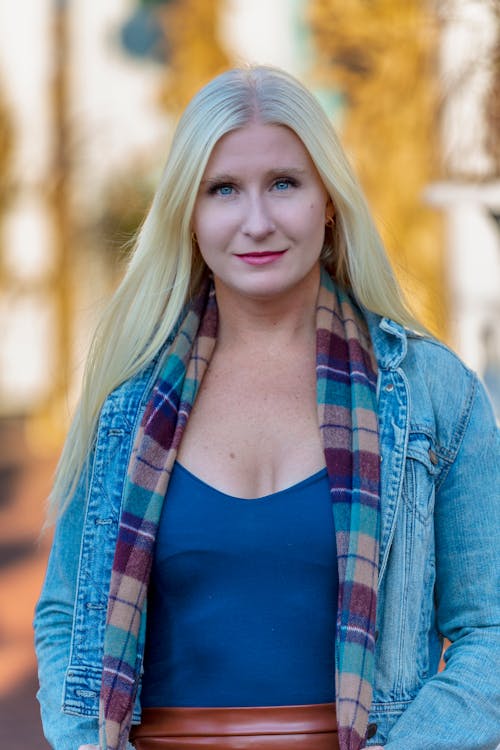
[[194, 240], [330, 221]]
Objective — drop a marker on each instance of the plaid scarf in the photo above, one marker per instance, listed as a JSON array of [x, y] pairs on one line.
[[347, 414]]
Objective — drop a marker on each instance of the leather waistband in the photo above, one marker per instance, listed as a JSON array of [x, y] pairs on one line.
[[312, 727]]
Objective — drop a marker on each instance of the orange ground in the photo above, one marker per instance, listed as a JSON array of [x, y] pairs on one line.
[[24, 484]]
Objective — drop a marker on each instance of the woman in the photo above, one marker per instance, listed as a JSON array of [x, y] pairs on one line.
[[258, 367]]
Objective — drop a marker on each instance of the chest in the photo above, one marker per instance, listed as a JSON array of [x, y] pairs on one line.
[[254, 426]]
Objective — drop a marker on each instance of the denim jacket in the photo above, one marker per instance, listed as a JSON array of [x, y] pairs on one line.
[[439, 558]]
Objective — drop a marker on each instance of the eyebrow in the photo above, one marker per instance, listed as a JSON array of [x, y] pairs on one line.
[[272, 173]]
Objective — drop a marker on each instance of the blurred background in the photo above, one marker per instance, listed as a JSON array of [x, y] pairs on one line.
[[89, 94]]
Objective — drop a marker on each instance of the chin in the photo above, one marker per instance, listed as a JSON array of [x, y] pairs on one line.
[[269, 285]]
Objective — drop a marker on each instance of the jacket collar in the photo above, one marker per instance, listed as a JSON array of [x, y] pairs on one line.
[[389, 339]]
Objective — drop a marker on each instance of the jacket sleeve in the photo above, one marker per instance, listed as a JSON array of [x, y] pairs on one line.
[[54, 628], [460, 707], [70, 614]]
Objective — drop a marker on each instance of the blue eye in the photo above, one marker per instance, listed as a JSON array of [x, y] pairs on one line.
[[285, 183], [223, 189]]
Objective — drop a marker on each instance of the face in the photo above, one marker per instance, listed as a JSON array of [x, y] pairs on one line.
[[260, 213]]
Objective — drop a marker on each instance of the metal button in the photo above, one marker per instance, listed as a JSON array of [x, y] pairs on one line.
[[389, 387], [372, 731]]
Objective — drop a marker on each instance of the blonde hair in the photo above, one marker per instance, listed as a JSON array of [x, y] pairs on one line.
[[165, 269]]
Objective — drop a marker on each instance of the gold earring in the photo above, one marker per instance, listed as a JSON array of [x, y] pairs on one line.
[[330, 221]]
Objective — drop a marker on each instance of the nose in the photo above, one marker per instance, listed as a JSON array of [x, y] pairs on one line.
[[257, 222]]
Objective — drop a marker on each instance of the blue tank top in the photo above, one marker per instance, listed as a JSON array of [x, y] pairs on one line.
[[243, 597]]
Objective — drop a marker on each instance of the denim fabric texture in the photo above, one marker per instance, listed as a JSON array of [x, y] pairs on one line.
[[439, 558]]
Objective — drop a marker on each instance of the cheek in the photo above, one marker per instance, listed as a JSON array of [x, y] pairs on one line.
[[314, 225], [212, 225], [204, 226], [311, 219]]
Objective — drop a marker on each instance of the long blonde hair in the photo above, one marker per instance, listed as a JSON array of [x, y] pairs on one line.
[[165, 268]]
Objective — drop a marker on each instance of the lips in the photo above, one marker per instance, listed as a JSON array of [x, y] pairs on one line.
[[261, 258]]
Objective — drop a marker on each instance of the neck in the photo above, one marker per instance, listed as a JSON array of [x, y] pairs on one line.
[[285, 319]]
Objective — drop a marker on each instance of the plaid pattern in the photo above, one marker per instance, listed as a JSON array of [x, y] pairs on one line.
[[346, 383]]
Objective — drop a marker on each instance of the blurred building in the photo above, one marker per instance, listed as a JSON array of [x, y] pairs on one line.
[[470, 194]]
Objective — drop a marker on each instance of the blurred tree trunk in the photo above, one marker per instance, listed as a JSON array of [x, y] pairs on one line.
[[6, 186], [60, 206], [493, 99], [382, 56]]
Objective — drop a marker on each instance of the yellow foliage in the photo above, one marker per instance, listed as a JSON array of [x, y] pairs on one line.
[[191, 26], [382, 56]]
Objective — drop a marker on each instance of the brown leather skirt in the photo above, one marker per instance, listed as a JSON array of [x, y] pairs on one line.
[[257, 728]]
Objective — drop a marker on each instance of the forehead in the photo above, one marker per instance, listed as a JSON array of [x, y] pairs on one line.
[[257, 145]]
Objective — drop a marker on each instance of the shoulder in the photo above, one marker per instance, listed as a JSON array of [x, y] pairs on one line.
[[131, 396], [433, 362], [422, 357], [133, 393], [457, 396], [442, 389], [444, 394]]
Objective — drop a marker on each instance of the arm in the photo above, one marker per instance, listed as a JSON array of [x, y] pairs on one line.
[[53, 632], [460, 707], [53, 629]]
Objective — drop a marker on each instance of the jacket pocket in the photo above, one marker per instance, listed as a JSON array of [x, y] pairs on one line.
[[81, 691], [421, 468]]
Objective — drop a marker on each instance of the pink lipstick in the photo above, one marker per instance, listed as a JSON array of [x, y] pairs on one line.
[[260, 259]]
